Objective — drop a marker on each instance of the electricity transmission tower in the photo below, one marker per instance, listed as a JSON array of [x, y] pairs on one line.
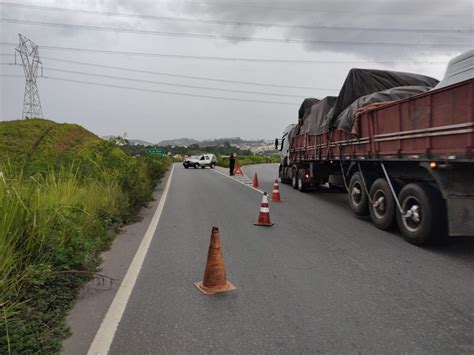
[[28, 51]]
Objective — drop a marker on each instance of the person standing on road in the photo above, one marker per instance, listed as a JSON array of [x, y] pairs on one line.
[[231, 164]]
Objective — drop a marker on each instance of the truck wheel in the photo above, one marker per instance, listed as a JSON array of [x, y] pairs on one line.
[[301, 186], [294, 179], [196, 166], [424, 217], [358, 199], [213, 165], [283, 178], [280, 175], [382, 210], [185, 166]]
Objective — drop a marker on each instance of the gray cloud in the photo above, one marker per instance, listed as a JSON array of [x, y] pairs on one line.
[[375, 14], [153, 116]]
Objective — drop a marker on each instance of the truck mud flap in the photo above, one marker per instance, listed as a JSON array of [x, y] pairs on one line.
[[460, 216], [455, 184]]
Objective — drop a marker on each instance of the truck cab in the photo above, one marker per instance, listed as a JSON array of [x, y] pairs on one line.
[[284, 147], [460, 68]]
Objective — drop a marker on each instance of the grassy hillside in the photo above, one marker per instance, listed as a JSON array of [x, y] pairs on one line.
[[37, 137], [42, 143], [62, 193]]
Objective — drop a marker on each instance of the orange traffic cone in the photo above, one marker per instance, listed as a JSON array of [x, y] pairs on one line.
[[238, 170], [215, 279], [255, 180], [276, 192], [264, 216]]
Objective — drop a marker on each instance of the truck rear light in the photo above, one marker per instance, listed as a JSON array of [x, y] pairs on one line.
[[433, 165]]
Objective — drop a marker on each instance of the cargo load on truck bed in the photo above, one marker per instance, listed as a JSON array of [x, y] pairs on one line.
[[361, 82], [437, 124], [306, 107], [323, 116], [346, 119], [316, 118]]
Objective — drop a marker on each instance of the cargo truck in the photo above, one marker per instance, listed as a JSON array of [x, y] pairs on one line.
[[406, 163]]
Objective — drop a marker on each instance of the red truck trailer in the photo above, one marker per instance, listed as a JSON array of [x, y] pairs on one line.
[[408, 162]]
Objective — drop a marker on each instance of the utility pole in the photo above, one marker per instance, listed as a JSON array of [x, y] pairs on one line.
[[28, 51]]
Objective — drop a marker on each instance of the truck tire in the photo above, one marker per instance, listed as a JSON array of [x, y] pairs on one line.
[[382, 210], [358, 199], [213, 165], [185, 166], [424, 219], [196, 166], [282, 176], [294, 179], [301, 186]]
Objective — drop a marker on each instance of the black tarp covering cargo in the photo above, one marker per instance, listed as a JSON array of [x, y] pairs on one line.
[[316, 119], [293, 132], [345, 120], [361, 82], [305, 107]]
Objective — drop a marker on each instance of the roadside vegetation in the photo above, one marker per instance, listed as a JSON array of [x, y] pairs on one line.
[[63, 195], [222, 152], [249, 160], [194, 149]]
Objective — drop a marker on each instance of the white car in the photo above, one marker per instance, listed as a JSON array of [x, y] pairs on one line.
[[200, 161]]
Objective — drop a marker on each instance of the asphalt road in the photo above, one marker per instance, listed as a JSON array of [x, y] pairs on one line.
[[318, 281]]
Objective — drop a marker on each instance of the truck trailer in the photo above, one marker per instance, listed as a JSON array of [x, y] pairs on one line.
[[406, 163]]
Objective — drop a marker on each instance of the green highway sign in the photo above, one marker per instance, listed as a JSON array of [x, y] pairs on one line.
[[156, 152]]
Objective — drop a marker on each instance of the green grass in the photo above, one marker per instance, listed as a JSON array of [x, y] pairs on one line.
[[249, 160], [60, 200]]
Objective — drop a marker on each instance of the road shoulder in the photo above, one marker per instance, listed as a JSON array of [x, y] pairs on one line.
[[87, 314]]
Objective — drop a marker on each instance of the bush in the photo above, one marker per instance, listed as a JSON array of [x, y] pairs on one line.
[[56, 217], [249, 160]]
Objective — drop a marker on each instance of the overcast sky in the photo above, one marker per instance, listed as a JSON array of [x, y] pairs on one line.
[[417, 36]]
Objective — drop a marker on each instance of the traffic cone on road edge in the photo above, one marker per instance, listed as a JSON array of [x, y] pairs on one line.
[[255, 180], [264, 216], [215, 278], [276, 192]]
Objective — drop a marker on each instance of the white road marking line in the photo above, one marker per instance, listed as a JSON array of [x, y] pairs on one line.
[[105, 335], [240, 182]]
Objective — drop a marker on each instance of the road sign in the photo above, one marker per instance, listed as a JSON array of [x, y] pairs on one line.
[[156, 152]]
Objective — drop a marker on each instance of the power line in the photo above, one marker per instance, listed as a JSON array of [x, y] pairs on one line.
[[162, 83], [224, 59], [233, 23], [185, 76], [170, 84], [310, 7], [170, 92], [228, 37], [155, 91]]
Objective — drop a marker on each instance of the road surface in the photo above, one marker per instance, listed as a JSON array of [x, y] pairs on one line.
[[318, 281]]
